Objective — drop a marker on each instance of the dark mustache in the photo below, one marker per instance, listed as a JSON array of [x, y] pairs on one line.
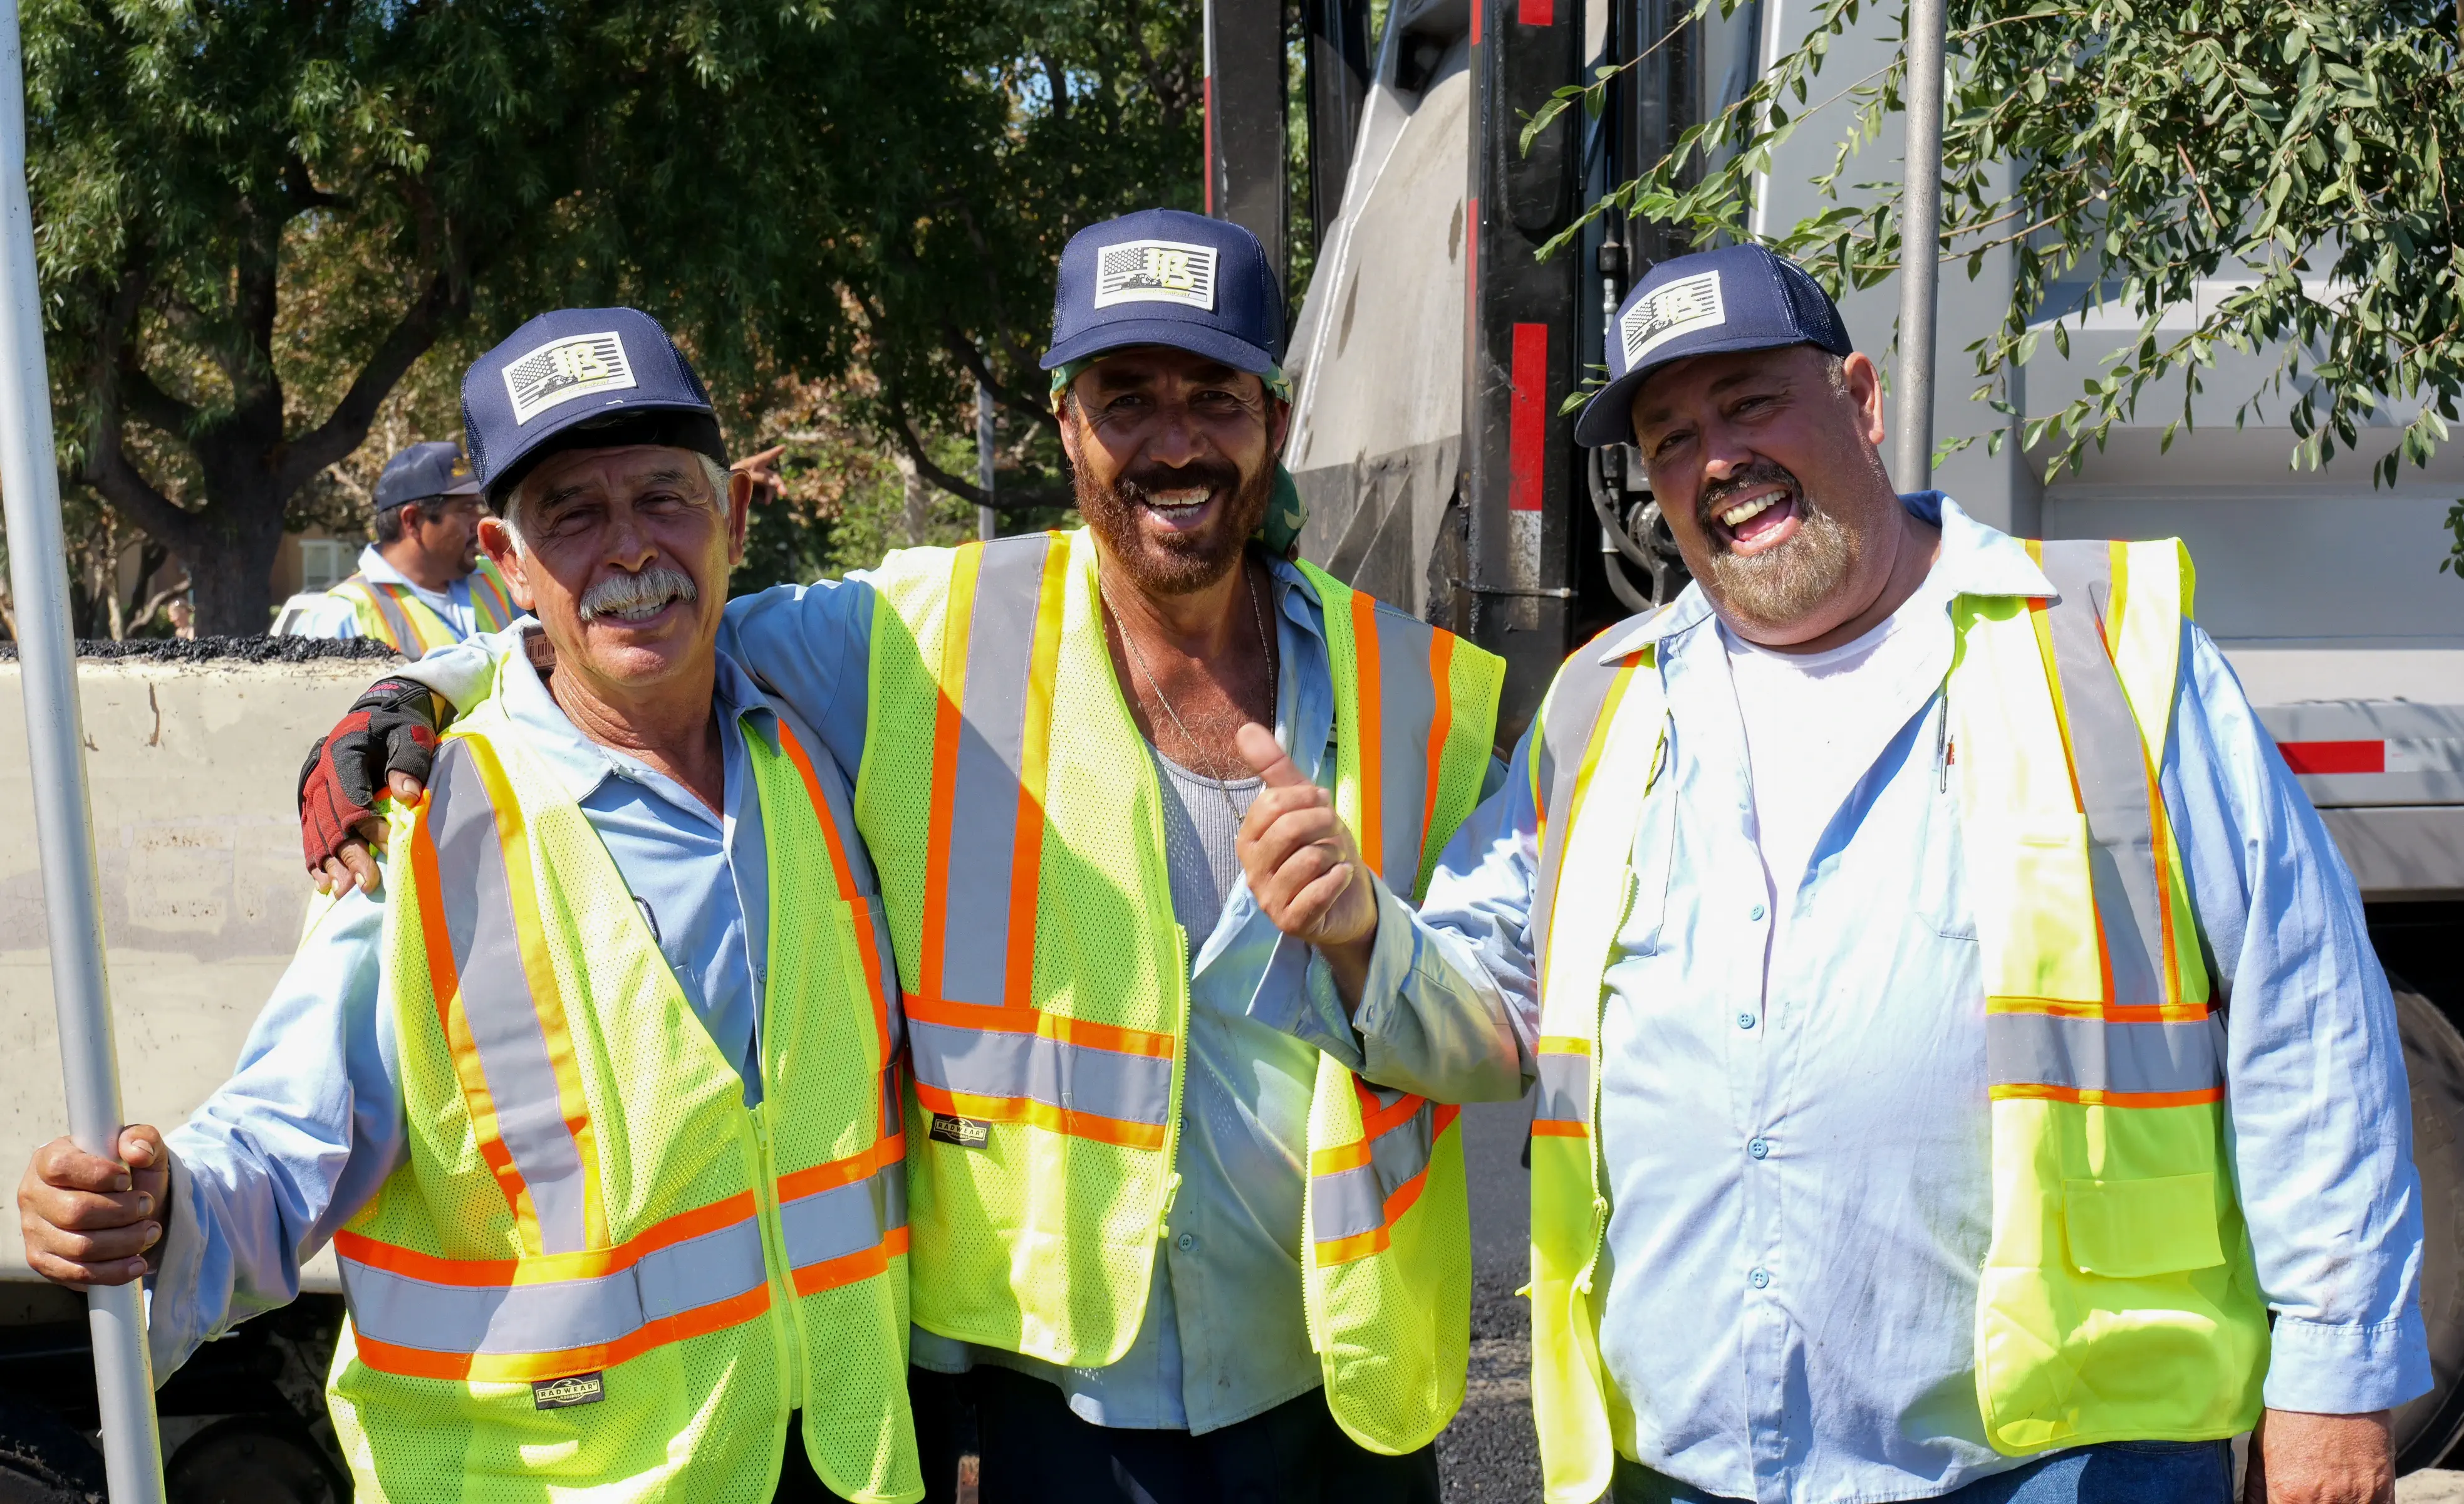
[[1761, 473], [1213, 475]]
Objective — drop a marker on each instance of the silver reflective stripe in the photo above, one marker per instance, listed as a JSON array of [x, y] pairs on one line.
[[845, 1219], [1573, 710], [558, 1314], [1349, 1202], [983, 1062], [2111, 763], [2088, 1054], [397, 622], [992, 740], [1565, 1088], [497, 1003], [1408, 705]]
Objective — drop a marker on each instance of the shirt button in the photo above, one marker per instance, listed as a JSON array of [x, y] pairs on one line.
[[1745, 1020], [1755, 914], [1185, 1242], [1760, 1279], [1759, 1148]]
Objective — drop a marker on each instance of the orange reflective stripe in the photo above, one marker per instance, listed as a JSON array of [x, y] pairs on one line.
[[543, 1268], [1027, 851], [965, 561], [540, 970], [867, 948], [444, 980], [2110, 1012], [1401, 1200], [1370, 737], [412, 1362], [1042, 1115], [2034, 1091]]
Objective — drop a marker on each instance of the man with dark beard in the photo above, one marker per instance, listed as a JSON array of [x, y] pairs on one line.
[[1963, 1069], [1175, 1237]]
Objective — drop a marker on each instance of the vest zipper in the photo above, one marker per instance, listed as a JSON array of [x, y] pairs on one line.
[[1599, 1092], [788, 1329]]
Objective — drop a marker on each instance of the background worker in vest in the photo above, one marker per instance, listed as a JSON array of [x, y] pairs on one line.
[[637, 901], [1107, 1192], [423, 583], [1886, 1056]]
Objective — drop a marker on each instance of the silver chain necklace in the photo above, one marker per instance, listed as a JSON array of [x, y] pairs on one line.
[[1223, 785]]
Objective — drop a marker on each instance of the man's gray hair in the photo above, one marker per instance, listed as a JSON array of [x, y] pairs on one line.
[[711, 470]]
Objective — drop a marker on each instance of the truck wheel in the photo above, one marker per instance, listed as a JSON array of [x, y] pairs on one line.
[[42, 1461], [252, 1459], [2434, 1059]]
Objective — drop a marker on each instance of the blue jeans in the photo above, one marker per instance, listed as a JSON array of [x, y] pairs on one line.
[[2117, 1472]]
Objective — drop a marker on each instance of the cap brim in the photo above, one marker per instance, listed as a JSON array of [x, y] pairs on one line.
[[1174, 333], [702, 436], [1608, 418], [466, 486]]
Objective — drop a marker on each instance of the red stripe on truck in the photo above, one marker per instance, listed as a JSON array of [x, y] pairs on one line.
[[1527, 438], [2334, 757]]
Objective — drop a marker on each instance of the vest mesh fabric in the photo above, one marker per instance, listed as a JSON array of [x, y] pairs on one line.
[[694, 1409], [2119, 1300]]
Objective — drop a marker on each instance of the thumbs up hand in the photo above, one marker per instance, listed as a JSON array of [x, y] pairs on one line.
[[1303, 864]]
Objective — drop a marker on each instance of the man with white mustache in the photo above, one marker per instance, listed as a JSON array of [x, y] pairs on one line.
[[1175, 1237], [595, 1100], [1963, 1069]]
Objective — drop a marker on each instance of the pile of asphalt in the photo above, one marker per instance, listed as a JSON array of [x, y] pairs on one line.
[[224, 649]]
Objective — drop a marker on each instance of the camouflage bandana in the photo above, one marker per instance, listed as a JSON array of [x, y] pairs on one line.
[[1286, 514]]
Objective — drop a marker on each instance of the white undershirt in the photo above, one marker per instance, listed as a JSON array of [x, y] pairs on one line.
[[1816, 721]]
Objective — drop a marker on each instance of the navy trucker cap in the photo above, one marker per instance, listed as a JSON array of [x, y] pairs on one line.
[[581, 378], [1737, 298], [1167, 277], [433, 469]]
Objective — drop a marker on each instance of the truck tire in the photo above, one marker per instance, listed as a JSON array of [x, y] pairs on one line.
[[2434, 1059], [254, 1459], [42, 1461]]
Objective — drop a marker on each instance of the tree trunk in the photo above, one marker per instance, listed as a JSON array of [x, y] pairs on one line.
[[230, 559], [916, 516]]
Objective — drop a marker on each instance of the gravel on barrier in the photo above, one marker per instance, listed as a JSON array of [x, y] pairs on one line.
[[224, 649]]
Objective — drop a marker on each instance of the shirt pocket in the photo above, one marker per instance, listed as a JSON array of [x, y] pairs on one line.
[[1648, 867], [1945, 899], [2133, 1229]]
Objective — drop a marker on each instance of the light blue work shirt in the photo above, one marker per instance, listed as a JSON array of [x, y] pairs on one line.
[[333, 616], [1799, 1166], [311, 1124], [1223, 1336]]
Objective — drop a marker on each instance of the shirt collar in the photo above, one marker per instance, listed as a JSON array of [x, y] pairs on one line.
[[1975, 559], [380, 570], [582, 765], [1298, 598]]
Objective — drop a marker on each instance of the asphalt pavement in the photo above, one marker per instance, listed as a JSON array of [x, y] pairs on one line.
[[1490, 1454]]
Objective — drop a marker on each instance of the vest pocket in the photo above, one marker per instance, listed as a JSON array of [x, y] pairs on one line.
[[2128, 1229]]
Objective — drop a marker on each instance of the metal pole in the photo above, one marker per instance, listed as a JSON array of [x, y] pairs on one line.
[[1920, 243], [123, 1375], [987, 521]]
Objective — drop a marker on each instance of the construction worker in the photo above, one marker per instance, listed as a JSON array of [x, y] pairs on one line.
[[423, 583], [1957, 1040], [598, 1108], [1179, 1239]]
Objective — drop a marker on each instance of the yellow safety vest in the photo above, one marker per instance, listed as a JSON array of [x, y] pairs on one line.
[[2118, 1300], [1014, 812], [599, 1275], [395, 614]]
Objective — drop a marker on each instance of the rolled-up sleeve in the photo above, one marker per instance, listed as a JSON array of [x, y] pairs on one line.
[[1450, 1009], [2321, 1116], [289, 1148]]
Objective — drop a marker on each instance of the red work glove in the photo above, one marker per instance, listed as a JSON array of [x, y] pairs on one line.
[[392, 727]]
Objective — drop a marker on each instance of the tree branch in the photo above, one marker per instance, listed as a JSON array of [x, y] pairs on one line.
[[448, 297], [1019, 500]]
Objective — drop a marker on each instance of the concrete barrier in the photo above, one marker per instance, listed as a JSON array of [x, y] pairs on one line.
[[194, 766]]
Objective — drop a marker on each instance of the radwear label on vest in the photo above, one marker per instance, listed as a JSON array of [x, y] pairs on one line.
[[965, 1132], [562, 1394]]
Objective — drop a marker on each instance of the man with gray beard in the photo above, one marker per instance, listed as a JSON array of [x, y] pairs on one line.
[[1175, 1237], [595, 1100], [1963, 1069]]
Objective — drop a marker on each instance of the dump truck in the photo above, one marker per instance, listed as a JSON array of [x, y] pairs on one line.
[[1434, 353]]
